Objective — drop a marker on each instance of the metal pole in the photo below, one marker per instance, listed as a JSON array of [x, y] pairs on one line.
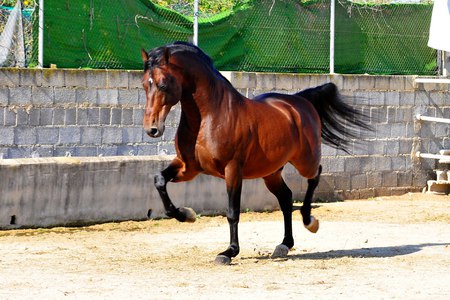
[[41, 35], [432, 119], [446, 66], [432, 80], [196, 22], [332, 16], [433, 156]]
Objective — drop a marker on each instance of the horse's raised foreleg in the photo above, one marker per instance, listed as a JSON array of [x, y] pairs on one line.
[[278, 187], [233, 178], [183, 214], [311, 223]]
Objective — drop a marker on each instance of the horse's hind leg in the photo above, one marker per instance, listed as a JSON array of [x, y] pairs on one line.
[[278, 187], [311, 223]]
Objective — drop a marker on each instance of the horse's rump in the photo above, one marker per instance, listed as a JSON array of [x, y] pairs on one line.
[[289, 130], [340, 122]]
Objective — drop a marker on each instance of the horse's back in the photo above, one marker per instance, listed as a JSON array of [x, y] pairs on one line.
[[288, 131], [296, 108]]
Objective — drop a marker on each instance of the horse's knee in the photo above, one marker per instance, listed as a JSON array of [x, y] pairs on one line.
[[233, 218], [315, 180], [160, 181]]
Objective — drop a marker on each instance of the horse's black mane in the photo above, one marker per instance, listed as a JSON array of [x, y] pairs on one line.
[[156, 55]]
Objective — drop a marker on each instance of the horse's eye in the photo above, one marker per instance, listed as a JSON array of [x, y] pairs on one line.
[[162, 87]]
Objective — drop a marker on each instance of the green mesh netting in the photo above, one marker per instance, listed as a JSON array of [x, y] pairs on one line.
[[384, 39], [266, 35]]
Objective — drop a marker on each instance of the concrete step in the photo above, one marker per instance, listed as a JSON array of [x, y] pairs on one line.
[[447, 153], [438, 187]]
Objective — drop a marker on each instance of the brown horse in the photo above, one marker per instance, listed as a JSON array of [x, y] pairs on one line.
[[223, 134]]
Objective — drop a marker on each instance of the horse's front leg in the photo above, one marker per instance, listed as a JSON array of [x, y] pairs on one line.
[[175, 171], [233, 178]]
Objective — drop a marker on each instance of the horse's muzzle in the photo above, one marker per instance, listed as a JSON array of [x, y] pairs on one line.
[[155, 132]]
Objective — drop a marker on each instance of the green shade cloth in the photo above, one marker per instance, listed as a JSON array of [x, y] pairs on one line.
[[280, 36]]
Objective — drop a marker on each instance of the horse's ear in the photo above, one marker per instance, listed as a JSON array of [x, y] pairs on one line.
[[144, 55], [166, 55]]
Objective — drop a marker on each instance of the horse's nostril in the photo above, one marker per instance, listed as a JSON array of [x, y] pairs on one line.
[[153, 130]]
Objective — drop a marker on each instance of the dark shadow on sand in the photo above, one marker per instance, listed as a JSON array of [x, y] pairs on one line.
[[369, 252]]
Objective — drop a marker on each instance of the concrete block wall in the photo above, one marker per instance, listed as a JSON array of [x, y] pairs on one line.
[[382, 162], [55, 191], [50, 113]]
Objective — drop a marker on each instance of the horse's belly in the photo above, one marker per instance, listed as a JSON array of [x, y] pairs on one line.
[[254, 168], [260, 173], [259, 159], [259, 167], [214, 172]]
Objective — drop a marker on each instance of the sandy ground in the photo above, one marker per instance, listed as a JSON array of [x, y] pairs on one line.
[[383, 248]]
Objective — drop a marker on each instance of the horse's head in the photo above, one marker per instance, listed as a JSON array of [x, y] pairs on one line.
[[162, 89]]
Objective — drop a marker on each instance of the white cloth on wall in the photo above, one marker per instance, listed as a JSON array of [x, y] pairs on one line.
[[440, 26], [12, 48]]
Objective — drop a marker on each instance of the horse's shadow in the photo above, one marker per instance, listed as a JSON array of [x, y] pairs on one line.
[[369, 252]]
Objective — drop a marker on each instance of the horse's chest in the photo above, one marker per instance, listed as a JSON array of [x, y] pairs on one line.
[[212, 158]]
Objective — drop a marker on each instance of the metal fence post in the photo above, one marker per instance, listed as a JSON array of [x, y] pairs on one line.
[[446, 66], [332, 16], [41, 35], [196, 22]]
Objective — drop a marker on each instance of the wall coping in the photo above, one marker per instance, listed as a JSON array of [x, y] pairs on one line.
[[11, 162], [131, 79]]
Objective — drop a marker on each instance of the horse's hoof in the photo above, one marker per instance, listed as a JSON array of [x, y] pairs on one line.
[[313, 225], [189, 213], [222, 260], [281, 251]]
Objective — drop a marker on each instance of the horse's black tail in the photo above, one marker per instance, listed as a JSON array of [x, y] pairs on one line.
[[340, 122]]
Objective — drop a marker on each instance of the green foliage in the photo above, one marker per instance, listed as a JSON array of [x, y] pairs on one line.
[[8, 2], [26, 3], [217, 6], [206, 7]]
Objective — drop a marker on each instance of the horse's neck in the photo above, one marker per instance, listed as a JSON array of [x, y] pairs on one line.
[[215, 98], [190, 113], [211, 98]]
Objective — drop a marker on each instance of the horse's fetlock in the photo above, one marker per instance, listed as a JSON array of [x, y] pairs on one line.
[[234, 250], [288, 242], [175, 213], [304, 210], [171, 214], [306, 215]]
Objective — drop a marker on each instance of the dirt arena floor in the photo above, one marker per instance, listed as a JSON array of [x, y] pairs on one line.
[[382, 248]]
